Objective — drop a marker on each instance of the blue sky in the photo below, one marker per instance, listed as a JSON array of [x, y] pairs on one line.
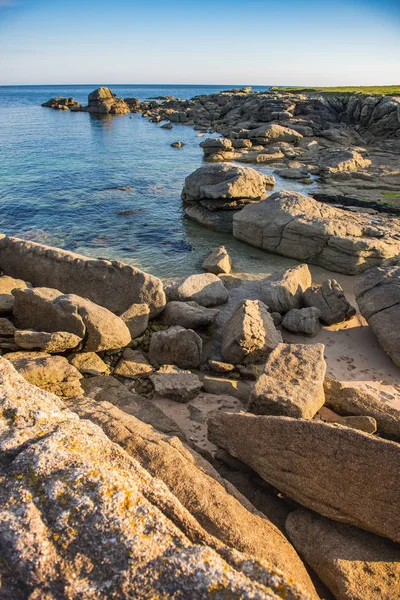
[[209, 41]]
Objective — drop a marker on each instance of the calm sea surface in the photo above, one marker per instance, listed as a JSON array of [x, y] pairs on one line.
[[57, 171]]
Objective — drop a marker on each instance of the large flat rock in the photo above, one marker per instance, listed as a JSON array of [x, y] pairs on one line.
[[343, 474], [79, 517], [353, 564], [111, 284], [294, 225]]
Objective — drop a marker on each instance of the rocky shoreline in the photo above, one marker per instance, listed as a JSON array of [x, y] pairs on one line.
[[189, 438]]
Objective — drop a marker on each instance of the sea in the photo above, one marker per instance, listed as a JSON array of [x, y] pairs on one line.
[[60, 170]]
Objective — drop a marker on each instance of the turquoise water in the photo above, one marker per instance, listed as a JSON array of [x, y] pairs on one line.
[[57, 171]]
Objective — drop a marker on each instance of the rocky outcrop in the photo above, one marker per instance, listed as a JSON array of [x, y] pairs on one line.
[[56, 342], [353, 564], [217, 149], [341, 473], [111, 284], [176, 346], [330, 300], [7, 285], [362, 422], [340, 160], [348, 400], [292, 382], [378, 297], [223, 188], [60, 103], [49, 310], [221, 510], [205, 289], [136, 318], [51, 373], [103, 101], [218, 262], [132, 364], [250, 334], [297, 226], [284, 289], [268, 134], [129, 537], [89, 363]]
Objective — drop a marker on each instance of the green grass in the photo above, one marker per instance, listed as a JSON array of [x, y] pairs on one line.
[[392, 195], [385, 90]]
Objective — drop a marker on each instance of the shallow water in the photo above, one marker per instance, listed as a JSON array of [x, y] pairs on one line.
[[58, 169]]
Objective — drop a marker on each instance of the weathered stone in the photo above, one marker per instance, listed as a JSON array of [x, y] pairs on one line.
[[188, 314], [220, 367], [175, 346], [221, 220], [133, 364], [136, 318], [303, 321], [51, 373], [7, 285], [49, 310], [330, 300], [175, 383], [292, 382], [353, 564], [225, 181], [109, 389], [103, 101], [111, 284], [53, 550], [7, 328], [250, 334], [205, 289], [284, 289], [89, 363], [343, 474], [378, 297], [267, 134], [58, 341], [348, 400], [212, 501], [363, 423], [218, 261], [297, 226], [223, 386], [339, 160]]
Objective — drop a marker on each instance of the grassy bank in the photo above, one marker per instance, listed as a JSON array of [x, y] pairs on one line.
[[385, 90]]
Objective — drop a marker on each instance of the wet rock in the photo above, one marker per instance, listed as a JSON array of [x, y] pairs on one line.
[[51, 311], [303, 321], [205, 289], [341, 473], [188, 314], [217, 149], [136, 318], [89, 363], [177, 145], [133, 103], [59, 341], [217, 220], [177, 384], [330, 300], [60, 103], [167, 126], [51, 373], [132, 364], [284, 289], [250, 334], [218, 261], [293, 225], [378, 297], [175, 346], [59, 460], [348, 400], [292, 382], [353, 564]]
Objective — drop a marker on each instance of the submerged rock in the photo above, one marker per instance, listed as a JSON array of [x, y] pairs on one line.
[[218, 262], [294, 225], [343, 474], [292, 382]]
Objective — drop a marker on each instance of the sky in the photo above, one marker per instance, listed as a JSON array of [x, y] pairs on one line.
[[252, 42]]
